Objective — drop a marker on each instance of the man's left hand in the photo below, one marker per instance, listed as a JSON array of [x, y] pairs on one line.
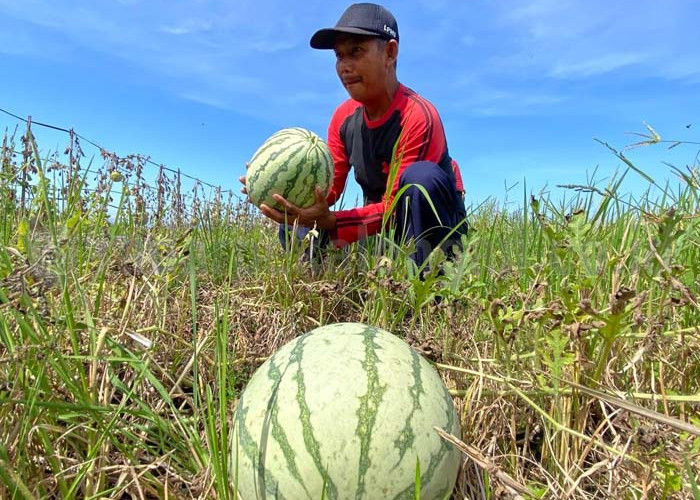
[[318, 214]]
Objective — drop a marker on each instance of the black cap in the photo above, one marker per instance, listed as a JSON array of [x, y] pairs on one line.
[[359, 19]]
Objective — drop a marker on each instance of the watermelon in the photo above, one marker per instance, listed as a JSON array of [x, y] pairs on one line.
[[346, 411], [291, 162]]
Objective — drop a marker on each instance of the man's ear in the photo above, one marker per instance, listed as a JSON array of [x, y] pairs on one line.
[[392, 50]]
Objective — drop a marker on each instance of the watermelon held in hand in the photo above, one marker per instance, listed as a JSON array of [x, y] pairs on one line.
[[291, 163], [344, 412]]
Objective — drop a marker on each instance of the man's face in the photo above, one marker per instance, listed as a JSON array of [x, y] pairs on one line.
[[362, 64]]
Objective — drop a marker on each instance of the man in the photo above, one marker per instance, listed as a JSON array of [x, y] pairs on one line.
[[391, 136]]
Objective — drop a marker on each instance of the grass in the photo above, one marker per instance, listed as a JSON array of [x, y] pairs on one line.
[[131, 320]]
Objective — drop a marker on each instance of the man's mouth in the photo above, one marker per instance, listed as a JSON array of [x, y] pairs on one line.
[[351, 81]]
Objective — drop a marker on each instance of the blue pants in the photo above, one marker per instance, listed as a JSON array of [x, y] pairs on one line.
[[426, 220]]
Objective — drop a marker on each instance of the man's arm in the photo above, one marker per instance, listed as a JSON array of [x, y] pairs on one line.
[[422, 138]]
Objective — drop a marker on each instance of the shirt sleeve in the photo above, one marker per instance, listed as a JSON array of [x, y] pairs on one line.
[[422, 138], [341, 163], [458, 177]]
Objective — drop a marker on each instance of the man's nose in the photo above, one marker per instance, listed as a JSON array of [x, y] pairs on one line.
[[343, 64]]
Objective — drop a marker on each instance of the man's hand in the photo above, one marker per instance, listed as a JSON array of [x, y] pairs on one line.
[[244, 190], [317, 214]]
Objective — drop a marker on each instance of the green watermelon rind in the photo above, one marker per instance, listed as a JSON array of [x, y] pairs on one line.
[[284, 407], [291, 163]]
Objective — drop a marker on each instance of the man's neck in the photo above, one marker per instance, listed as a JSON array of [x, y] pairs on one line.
[[379, 106]]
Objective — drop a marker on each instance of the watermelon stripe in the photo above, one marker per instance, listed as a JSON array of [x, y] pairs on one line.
[[316, 158], [273, 179], [265, 479], [273, 155], [302, 183], [272, 148], [445, 446], [369, 405], [312, 446], [426, 475], [277, 139], [291, 163], [407, 436], [325, 162], [278, 433]]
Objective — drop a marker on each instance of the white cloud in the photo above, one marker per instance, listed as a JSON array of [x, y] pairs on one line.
[[187, 27], [518, 104], [492, 58], [205, 99], [14, 42], [271, 45], [468, 40], [597, 65], [687, 69], [552, 20], [576, 39], [175, 30], [491, 101]]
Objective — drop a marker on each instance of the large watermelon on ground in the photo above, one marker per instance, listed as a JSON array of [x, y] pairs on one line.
[[348, 406], [291, 162]]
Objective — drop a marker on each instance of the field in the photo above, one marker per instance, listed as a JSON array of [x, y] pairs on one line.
[[133, 315]]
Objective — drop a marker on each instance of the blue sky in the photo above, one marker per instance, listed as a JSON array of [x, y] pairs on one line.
[[523, 87]]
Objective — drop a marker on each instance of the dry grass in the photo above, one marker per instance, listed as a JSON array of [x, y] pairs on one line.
[[568, 335]]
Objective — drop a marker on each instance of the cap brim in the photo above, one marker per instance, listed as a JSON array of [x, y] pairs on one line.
[[325, 38]]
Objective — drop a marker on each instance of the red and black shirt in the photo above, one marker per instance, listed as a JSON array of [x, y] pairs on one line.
[[409, 131]]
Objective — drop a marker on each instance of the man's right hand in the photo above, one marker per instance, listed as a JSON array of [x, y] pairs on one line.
[[318, 214]]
